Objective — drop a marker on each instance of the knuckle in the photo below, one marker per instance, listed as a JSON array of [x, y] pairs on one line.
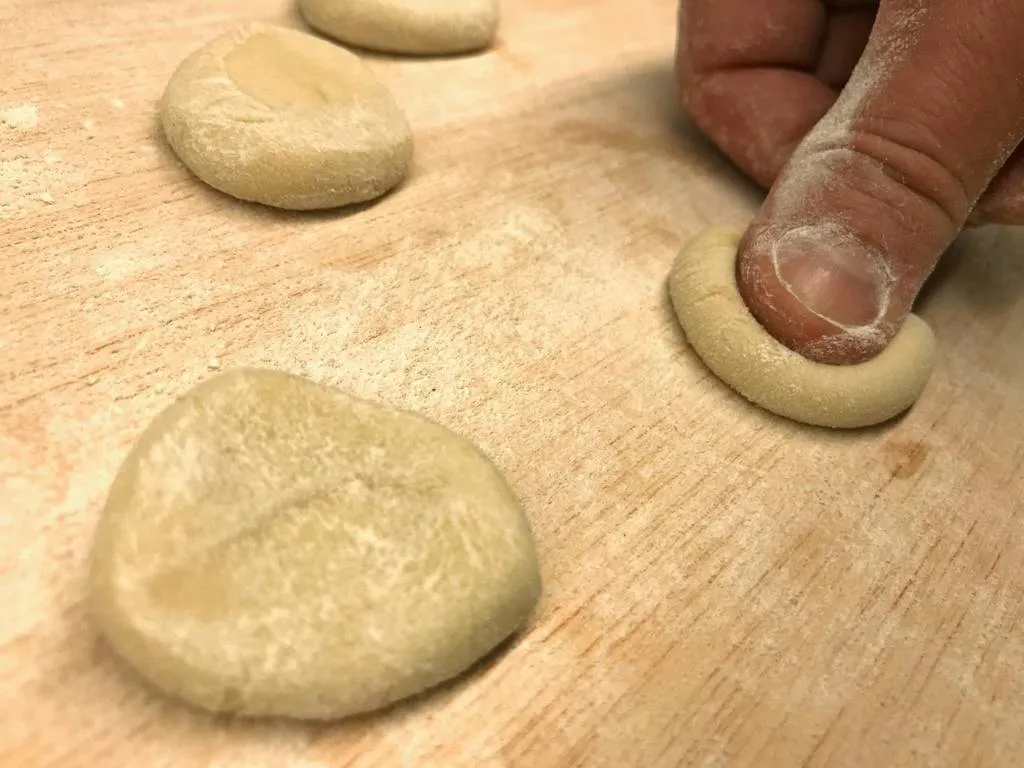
[[913, 157]]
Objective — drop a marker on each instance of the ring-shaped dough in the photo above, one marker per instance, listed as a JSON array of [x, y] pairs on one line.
[[737, 349]]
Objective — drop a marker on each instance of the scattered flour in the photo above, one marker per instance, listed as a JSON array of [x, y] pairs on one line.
[[118, 264], [820, 162], [28, 182], [21, 117]]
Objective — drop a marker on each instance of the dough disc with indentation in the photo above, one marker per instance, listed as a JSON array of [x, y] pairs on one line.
[[284, 118], [730, 341]]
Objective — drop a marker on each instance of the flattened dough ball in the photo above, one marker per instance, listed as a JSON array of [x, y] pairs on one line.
[[419, 27], [280, 117], [274, 547], [730, 341]]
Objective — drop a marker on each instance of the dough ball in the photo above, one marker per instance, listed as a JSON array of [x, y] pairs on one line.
[[731, 342], [406, 26], [274, 547], [283, 118]]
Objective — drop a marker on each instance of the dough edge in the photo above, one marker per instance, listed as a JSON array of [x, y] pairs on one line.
[[736, 348]]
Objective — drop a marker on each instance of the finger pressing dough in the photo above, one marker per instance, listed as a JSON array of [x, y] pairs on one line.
[[280, 117], [406, 26], [731, 342], [274, 547]]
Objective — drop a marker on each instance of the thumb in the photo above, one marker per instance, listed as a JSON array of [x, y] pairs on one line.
[[881, 186]]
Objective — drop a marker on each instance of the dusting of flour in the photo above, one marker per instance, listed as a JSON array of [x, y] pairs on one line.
[[22, 117], [821, 158]]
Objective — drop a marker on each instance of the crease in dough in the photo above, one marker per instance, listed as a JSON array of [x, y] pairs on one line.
[[275, 547], [737, 349]]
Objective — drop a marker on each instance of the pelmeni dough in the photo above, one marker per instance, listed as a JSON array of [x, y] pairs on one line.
[[730, 341], [274, 547], [438, 27], [281, 117]]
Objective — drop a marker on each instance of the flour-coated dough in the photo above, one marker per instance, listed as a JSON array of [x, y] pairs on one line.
[[274, 547], [418, 27], [284, 118], [730, 341]]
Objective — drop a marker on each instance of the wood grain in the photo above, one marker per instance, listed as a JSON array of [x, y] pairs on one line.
[[722, 588]]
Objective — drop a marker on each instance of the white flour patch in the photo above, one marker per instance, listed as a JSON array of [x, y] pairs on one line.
[[21, 117], [29, 182], [116, 265]]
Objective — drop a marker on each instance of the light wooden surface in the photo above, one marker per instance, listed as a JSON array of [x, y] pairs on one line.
[[721, 587]]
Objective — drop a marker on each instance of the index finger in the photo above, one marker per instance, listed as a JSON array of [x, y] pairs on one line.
[[749, 76]]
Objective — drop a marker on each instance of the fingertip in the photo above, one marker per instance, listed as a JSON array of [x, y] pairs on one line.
[[818, 291]]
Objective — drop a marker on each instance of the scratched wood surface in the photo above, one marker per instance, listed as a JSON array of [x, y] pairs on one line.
[[722, 588]]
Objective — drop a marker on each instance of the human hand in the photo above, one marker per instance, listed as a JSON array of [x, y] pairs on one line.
[[881, 127]]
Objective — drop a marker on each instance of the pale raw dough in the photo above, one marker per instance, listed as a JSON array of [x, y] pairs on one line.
[[738, 349], [419, 27], [283, 118], [274, 547]]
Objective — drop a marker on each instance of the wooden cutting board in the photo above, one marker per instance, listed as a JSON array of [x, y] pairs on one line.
[[722, 587]]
